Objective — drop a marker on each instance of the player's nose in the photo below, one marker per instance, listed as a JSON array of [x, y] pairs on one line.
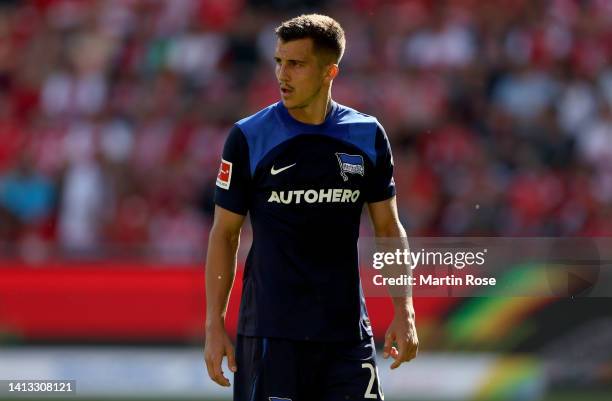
[[282, 74]]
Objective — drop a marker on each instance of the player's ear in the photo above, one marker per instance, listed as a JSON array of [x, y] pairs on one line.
[[331, 72]]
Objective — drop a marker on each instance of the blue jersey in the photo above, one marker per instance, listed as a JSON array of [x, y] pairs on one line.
[[304, 187]]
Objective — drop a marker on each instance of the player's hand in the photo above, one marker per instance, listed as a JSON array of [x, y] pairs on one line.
[[401, 331], [218, 345]]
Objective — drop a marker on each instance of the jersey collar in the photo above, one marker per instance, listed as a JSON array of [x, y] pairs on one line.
[[289, 120]]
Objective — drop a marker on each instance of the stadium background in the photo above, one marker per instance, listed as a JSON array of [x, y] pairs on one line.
[[112, 118]]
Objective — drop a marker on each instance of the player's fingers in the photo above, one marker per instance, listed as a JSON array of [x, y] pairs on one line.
[[210, 367], [394, 353], [401, 355], [218, 372], [213, 365], [231, 357], [413, 350], [388, 345], [412, 347], [219, 377]]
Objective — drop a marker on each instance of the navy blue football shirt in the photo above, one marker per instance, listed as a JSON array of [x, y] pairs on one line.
[[304, 187]]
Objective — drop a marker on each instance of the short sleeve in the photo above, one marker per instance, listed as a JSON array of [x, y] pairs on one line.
[[233, 187], [381, 185]]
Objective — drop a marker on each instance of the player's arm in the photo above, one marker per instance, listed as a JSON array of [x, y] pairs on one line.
[[402, 330], [220, 270], [232, 194]]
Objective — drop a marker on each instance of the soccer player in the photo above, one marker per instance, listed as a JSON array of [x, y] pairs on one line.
[[303, 168]]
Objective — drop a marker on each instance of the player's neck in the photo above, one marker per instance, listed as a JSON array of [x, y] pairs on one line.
[[314, 113]]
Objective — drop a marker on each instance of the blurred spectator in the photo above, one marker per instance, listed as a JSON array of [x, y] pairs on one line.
[[525, 93], [87, 204], [26, 196]]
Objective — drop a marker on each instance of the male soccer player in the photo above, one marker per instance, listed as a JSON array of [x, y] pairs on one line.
[[303, 168]]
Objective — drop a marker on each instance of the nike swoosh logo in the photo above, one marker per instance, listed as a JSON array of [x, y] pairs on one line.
[[280, 170]]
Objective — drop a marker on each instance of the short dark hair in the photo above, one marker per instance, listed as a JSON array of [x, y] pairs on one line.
[[326, 33]]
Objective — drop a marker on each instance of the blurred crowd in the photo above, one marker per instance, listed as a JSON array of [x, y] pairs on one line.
[[113, 114]]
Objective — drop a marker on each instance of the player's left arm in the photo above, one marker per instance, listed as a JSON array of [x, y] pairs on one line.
[[402, 330]]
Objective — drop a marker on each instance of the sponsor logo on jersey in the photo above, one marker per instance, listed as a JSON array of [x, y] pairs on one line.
[[274, 171], [350, 164], [331, 195], [225, 174]]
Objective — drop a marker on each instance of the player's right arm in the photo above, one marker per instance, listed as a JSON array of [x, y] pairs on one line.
[[220, 270], [232, 197]]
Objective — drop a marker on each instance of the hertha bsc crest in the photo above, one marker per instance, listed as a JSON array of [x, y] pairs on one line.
[[350, 164]]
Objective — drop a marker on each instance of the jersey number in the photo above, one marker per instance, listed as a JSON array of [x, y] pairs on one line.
[[373, 375]]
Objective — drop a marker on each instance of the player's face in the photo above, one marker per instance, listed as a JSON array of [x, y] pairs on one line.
[[302, 76]]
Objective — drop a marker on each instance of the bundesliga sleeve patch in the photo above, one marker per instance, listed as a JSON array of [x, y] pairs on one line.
[[225, 174]]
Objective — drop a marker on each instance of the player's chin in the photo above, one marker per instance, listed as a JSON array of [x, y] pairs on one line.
[[288, 103], [289, 98]]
